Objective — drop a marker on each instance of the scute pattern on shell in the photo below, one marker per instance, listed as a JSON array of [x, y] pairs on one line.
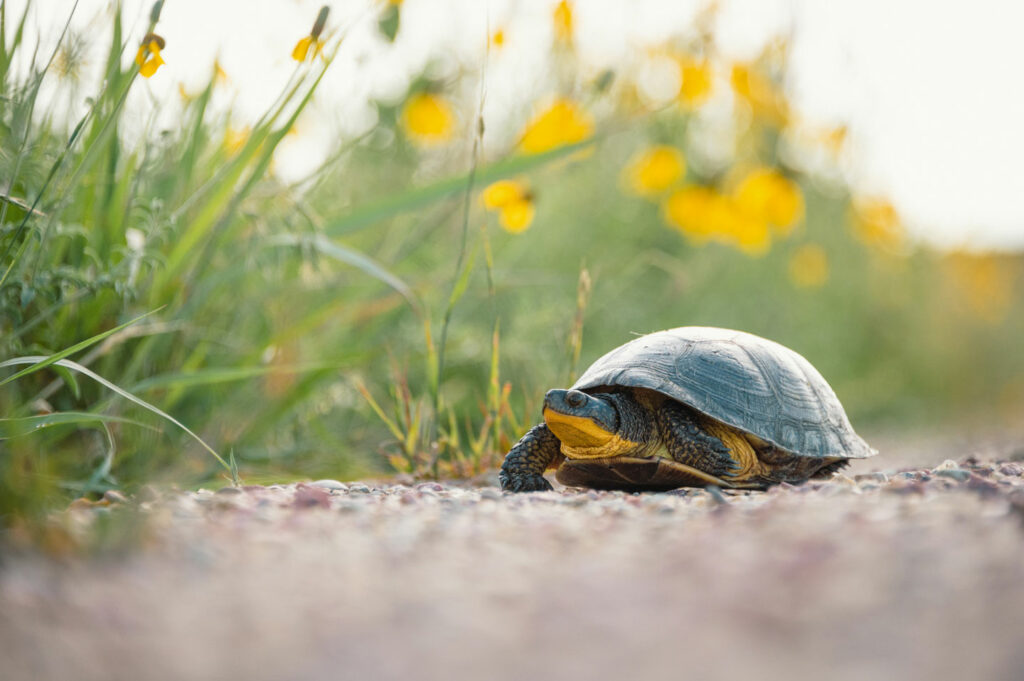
[[743, 380]]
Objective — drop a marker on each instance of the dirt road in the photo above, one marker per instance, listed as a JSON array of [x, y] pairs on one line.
[[915, 574]]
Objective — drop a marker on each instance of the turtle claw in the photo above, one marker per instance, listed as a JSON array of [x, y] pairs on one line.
[[524, 482]]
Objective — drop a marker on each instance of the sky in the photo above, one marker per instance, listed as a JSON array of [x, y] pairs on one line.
[[928, 88]]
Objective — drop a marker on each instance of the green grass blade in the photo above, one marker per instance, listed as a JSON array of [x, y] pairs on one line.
[[120, 391], [216, 375], [27, 425], [351, 257], [417, 197], [44, 362]]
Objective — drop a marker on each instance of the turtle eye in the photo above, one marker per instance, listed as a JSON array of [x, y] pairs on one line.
[[574, 398]]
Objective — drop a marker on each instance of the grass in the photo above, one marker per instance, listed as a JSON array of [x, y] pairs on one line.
[[375, 318]]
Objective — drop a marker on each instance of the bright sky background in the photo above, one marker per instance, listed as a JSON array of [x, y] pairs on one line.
[[929, 88]]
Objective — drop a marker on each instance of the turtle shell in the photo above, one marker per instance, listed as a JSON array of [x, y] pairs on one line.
[[745, 381]]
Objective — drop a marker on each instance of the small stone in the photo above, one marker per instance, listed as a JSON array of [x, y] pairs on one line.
[[359, 488], [876, 476], [573, 500], [229, 491], [147, 493], [490, 493], [1014, 469], [947, 465], [330, 484], [432, 486], [984, 487], [80, 503], [114, 497], [307, 496], [958, 474]]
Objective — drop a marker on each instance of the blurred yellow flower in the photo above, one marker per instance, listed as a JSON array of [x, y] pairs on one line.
[[563, 22], [498, 38], [808, 266], [513, 201], [703, 214], [749, 234], [695, 86], [219, 74], [765, 101], [148, 57], [691, 210], [877, 224], [428, 119], [985, 281], [834, 139], [654, 170], [564, 122], [302, 48], [769, 196], [516, 216], [235, 139]]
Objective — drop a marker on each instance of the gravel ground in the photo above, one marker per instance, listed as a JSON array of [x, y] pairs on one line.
[[911, 574]]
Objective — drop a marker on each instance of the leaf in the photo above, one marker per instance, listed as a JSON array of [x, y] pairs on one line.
[[349, 256], [27, 425], [389, 21], [44, 362], [120, 391], [417, 197]]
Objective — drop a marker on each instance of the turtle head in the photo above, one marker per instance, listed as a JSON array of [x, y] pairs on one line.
[[581, 421]]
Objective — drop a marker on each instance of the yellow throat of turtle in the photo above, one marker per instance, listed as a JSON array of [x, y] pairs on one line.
[[583, 439]]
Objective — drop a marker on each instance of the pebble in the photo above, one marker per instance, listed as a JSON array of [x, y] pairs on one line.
[[226, 491], [330, 484], [1011, 469], [958, 474], [114, 497], [359, 488], [490, 493]]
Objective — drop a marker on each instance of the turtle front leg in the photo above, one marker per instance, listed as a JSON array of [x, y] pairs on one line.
[[524, 465], [691, 445]]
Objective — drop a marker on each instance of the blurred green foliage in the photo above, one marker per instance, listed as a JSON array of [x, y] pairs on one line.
[[298, 328]]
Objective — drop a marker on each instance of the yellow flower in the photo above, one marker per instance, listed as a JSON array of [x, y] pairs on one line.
[[516, 216], [691, 210], [235, 139], [428, 119], [654, 170], [703, 214], [765, 101], [696, 81], [985, 281], [877, 224], [769, 196], [219, 74], [748, 233], [563, 22], [302, 48], [148, 57], [498, 38], [513, 201], [808, 266], [564, 122]]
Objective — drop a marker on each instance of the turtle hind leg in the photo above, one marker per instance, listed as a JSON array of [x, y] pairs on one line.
[[831, 466], [690, 444], [524, 465]]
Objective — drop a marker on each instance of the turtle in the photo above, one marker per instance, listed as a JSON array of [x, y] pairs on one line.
[[693, 406]]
